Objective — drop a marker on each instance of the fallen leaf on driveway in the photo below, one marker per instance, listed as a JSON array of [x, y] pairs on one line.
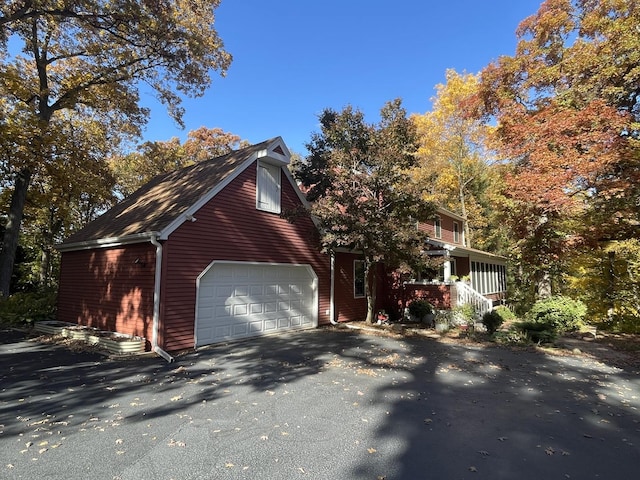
[[371, 450], [473, 469]]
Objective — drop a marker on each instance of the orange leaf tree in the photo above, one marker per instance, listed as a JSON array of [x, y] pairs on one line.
[[566, 106]]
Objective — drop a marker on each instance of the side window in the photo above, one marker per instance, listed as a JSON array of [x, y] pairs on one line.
[[456, 232], [268, 188], [437, 227], [358, 279]]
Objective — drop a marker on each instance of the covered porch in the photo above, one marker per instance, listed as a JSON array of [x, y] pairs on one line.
[[465, 277]]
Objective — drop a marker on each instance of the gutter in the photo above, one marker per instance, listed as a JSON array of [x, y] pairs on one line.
[[156, 300], [105, 242], [332, 306]]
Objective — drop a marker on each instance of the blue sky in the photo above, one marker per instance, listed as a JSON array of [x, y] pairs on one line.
[[293, 58]]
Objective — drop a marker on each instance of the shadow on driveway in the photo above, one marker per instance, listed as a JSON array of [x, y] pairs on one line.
[[321, 404]]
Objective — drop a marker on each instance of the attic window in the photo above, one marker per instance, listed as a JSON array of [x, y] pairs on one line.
[[268, 188]]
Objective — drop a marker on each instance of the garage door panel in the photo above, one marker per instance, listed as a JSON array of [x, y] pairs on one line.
[[240, 310], [257, 290], [256, 308], [223, 291], [241, 300]]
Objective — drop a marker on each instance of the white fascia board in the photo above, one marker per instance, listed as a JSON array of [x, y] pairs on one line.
[[437, 253], [269, 155], [107, 242], [441, 244], [266, 154], [190, 213]]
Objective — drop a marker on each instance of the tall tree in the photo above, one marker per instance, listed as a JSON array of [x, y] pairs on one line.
[[153, 158], [357, 178], [567, 105], [94, 55], [454, 155]]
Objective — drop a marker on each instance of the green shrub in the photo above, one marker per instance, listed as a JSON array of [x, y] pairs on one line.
[[506, 314], [559, 314], [465, 313], [492, 321], [537, 332], [25, 308], [511, 336], [419, 308]]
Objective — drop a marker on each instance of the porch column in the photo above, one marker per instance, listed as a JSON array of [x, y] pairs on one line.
[[447, 270]]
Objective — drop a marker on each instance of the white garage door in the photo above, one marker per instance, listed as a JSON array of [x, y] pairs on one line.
[[237, 300]]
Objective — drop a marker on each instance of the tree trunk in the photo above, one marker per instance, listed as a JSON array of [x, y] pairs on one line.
[[12, 230], [48, 240], [544, 286], [45, 267], [370, 291], [463, 211]]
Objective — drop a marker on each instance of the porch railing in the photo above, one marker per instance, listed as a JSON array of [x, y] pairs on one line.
[[468, 295]]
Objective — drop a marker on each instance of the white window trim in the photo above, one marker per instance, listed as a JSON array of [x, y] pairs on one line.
[[364, 292], [456, 232], [274, 170], [437, 227]]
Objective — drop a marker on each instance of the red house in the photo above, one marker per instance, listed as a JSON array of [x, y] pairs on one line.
[[202, 255], [466, 275]]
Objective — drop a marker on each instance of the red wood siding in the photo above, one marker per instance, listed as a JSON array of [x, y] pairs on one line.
[[347, 307], [107, 289], [446, 223], [399, 295], [229, 227]]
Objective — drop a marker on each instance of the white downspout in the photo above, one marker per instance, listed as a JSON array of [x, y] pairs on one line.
[[332, 307], [156, 301]]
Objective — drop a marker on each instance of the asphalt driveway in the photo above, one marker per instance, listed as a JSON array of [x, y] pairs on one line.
[[317, 404]]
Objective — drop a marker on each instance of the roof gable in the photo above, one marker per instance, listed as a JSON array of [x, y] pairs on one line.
[[169, 199]]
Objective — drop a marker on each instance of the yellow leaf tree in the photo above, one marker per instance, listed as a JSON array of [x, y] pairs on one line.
[[91, 57], [453, 154]]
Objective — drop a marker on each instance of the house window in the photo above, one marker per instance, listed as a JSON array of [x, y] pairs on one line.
[[456, 232], [268, 188], [358, 279], [437, 227]]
